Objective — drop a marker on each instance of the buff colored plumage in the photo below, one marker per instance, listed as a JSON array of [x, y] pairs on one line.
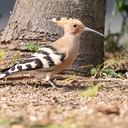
[[55, 57]]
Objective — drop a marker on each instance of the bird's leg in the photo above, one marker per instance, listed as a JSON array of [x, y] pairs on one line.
[[48, 79], [52, 84], [56, 86]]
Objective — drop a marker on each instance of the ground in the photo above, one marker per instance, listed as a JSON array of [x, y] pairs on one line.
[[26, 102]]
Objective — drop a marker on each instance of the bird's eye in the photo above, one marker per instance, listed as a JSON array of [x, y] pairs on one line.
[[74, 25]]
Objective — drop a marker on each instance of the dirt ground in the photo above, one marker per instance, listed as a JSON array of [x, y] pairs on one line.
[[30, 103]]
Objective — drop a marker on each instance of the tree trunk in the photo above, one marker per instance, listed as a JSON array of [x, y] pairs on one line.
[[28, 21]]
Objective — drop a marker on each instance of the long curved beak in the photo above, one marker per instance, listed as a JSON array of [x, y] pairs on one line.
[[89, 29]]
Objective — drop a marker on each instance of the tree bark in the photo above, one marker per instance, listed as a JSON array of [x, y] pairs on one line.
[[28, 21]]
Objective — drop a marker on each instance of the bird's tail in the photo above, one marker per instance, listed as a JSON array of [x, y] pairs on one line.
[[4, 73]]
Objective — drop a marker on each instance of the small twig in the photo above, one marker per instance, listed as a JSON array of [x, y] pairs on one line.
[[17, 77], [16, 104], [104, 80]]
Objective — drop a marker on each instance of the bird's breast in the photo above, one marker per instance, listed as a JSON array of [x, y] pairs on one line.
[[74, 49]]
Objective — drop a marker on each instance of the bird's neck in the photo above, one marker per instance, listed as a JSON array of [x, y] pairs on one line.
[[71, 38], [72, 41], [68, 43]]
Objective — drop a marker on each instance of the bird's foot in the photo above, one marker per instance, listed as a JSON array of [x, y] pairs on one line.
[[56, 86]]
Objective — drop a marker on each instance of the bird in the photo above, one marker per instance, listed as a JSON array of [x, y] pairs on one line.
[[52, 58]]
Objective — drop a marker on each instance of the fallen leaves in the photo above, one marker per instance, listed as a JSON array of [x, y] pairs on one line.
[[91, 91]]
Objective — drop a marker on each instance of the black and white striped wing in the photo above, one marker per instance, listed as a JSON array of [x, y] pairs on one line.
[[46, 57]]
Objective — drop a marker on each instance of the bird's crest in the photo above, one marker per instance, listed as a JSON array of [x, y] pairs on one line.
[[60, 21]]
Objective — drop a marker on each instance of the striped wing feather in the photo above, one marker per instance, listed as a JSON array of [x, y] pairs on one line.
[[45, 57]]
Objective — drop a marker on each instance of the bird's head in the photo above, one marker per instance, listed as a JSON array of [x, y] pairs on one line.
[[73, 26]]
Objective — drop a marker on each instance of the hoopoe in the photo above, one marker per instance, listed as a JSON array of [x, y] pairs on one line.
[[55, 57]]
